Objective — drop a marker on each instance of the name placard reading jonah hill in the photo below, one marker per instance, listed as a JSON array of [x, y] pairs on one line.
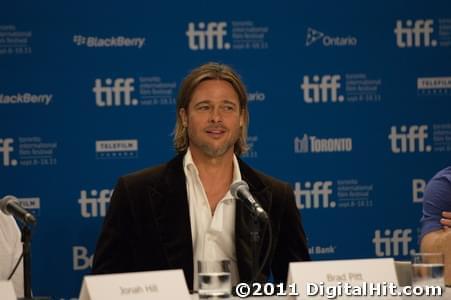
[[156, 285]]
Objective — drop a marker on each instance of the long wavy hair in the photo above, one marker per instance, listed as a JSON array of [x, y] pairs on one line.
[[210, 71]]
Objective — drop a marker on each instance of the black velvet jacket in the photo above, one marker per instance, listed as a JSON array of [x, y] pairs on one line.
[[147, 226]]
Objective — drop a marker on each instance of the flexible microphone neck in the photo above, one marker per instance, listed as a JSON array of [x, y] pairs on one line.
[[240, 190], [9, 205]]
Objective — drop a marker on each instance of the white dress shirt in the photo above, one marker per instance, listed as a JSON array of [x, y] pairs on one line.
[[213, 236], [10, 251]]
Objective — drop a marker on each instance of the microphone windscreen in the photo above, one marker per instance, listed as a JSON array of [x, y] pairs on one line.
[[236, 187]]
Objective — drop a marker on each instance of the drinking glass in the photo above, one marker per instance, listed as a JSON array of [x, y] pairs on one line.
[[214, 279], [427, 269]]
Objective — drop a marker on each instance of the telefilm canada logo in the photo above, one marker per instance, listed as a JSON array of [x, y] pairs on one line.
[[316, 37], [117, 149], [32, 204], [434, 86], [224, 36]]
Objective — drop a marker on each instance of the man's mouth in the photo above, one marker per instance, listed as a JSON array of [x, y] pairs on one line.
[[215, 132]]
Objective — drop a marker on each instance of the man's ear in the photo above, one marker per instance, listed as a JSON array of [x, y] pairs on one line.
[[183, 117]]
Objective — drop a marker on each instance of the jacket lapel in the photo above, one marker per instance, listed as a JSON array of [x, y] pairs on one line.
[[243, 220], [171, 214]]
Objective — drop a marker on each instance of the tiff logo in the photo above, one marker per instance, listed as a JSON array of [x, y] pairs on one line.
[[207, 36], [313, 195], [393, 243], [409, 139], [6, 148], [322, 89], [96, 204], [414, 34], [418, 186], [117, 92]]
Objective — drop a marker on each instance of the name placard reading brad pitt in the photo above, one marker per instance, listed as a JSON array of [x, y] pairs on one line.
[[157, 285], [344, 279]]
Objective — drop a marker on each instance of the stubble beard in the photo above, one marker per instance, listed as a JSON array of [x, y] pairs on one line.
[[217, 152]]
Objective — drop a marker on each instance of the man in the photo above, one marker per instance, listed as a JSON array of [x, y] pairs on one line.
[[436, 205], [436, 220], [10, 252], [170, 216]]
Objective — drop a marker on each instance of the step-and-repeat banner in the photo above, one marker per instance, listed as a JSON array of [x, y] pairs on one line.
[[350, 102]]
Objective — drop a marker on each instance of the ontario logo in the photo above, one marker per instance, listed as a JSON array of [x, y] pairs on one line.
[[314, 36]]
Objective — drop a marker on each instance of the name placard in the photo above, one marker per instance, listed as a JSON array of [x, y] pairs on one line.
[[155, 285], [344, 279], [7, 290]]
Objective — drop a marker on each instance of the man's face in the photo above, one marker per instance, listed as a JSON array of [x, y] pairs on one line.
[[213, 118]]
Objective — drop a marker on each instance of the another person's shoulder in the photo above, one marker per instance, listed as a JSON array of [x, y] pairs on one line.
[[9, 231], [8, 224], [444, 174], [439, 185]]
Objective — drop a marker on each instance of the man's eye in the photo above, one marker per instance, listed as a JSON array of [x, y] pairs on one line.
[[228, 108], [203, 107]]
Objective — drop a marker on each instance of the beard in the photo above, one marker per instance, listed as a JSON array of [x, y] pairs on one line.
[[215, 152]]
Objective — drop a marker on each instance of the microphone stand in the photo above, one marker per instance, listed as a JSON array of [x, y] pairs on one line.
[[255, 241], [26, 242], [26, 249]]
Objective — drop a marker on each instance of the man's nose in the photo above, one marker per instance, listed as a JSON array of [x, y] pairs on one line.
[[216, 115]]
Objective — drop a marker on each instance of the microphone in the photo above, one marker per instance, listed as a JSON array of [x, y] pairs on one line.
[[240, 190], [9, 205]]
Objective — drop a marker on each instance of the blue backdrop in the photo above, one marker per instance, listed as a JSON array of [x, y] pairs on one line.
[[350, 102]]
